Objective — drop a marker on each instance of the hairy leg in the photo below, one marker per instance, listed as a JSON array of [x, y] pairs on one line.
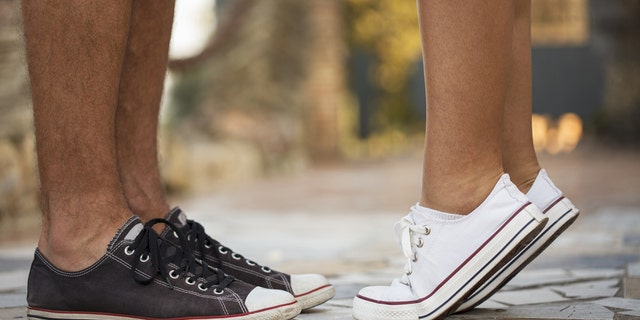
[[465, 47], [518, 155], [143, 74], [75, 51]]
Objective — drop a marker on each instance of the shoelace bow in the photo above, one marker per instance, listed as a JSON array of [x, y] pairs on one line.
[[148, 245], [203, 241], [406, 230]]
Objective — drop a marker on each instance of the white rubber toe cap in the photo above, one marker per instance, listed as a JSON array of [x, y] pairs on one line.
[[303, 283], [387, 293], [260, 298]]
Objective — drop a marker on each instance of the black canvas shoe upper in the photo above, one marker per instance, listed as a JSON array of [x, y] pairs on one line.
[[141, 275], [222, 257]]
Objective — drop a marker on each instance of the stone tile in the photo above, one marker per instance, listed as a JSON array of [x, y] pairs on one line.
[[631, 287], [531, 296], [620, 303], [581, 311], [344, 303], [326, 312], [11, 264], [592, 259], [633, 270], [589, 289], [13, 313], [13, 280], [490, 304], [587, 274], [11, 300], [582, 240], [628, 315], [529, 278]]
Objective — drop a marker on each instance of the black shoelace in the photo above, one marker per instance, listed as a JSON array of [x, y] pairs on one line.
[[202, 242], [149, 246]]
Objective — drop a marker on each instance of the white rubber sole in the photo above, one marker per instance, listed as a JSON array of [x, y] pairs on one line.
[[316, 297], [505, 243], [561, 215], [282, 312]]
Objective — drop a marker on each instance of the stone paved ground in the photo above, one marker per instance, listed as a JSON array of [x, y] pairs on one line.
[[338, 221]]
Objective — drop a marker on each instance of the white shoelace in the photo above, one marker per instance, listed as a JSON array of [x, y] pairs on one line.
[[407, 232]]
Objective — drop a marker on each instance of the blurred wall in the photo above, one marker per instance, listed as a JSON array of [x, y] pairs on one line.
[[17, 161]]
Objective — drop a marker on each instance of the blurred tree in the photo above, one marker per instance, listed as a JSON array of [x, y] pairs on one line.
[[388, 30], [18, 185], [271, 78]]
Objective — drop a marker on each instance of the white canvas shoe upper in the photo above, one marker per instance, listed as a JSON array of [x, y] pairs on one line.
[[447, 254]]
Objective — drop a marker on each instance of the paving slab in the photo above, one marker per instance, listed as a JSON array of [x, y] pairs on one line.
[[589, 289], [620, 303], [629, 315], [338, 221], [529, 296], [631, 281], [14, 313], [581, 311]]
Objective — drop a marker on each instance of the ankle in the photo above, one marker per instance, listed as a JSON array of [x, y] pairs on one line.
[[524, 176], [147, 209], [75, 243], [459, 195], [148, 201]]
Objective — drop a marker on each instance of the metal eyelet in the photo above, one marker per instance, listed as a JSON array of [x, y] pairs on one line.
[[144, 258], [201, 287], [409, 272], [175, 234], [420, 243], [251, 263], [189, 281], [427, 230], [127, 252], [216, 291], [415, 257], [188, 237], [207, 245], [173, 274], [266, 269], [236, 256], [222, 250]]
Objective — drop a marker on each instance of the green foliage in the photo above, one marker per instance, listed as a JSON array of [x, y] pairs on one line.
[[389, 31]]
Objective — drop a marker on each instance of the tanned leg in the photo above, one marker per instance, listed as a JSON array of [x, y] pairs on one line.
[[518, 155], [75, 51], [145, 65], [466, 46]]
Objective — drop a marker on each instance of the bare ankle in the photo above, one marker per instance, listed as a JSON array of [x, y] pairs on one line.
[[147, 209], [146, 199], [75, 242], [460, 195], [524, 176]]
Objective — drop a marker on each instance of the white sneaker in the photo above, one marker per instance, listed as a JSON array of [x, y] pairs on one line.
[[449, 256], [561, 213]]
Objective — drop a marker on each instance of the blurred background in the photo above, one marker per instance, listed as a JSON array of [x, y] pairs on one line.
[[264, 89]]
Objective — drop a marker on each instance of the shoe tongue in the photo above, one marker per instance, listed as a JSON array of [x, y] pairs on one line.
[[129, 231], [177, 217]]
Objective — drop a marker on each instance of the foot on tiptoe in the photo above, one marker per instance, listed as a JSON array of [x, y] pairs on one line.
[[561, 214], [309, 289], [450, 255], [144, 277]]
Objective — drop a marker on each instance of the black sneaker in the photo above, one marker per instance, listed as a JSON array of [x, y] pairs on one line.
[[144, 276], [309, 289]]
